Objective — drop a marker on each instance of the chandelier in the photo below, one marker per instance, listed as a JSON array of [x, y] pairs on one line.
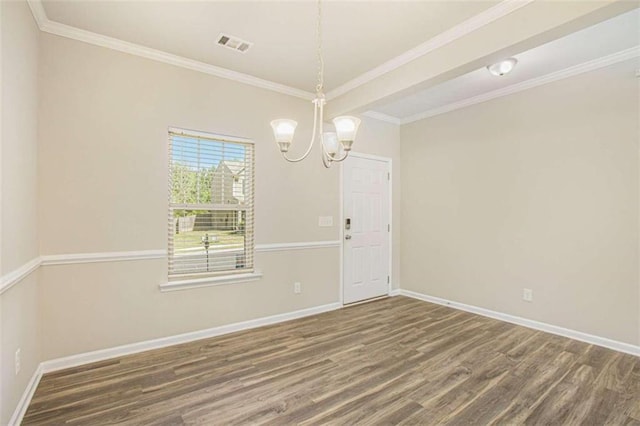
[[331, 142]]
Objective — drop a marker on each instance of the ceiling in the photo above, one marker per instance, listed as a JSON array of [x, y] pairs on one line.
[[358, 35], [363, 40], [605, 38]]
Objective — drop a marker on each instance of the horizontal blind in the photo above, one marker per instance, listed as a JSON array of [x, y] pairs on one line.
[[211, 218]]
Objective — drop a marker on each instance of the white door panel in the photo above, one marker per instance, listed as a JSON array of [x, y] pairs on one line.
[[366, 247]]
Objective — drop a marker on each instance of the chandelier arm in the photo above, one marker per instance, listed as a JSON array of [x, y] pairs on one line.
[[326, 160], [284, 139], [313, 136], [344, 157]]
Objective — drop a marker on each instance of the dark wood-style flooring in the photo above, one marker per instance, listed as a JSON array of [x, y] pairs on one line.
[[392, 361]]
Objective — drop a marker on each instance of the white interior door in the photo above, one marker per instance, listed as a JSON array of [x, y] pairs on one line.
[[366, 224]]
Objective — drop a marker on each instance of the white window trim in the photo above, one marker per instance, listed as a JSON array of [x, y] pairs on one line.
[[204, 280], [210, 136], [210, 281]]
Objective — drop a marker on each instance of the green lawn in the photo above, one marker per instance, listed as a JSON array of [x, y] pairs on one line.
[[193, 239]]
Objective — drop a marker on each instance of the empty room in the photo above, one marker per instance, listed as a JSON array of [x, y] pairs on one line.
[[320, 212]]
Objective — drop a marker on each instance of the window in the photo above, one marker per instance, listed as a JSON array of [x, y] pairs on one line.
[[210, 205]]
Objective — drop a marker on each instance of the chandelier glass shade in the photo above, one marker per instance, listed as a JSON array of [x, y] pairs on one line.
[[331, 142]]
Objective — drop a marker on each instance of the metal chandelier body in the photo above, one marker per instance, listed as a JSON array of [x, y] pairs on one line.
[[331, 142]]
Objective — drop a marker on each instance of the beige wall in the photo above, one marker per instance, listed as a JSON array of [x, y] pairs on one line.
[[119, 302], [19, 324], [19, 135], [536, 190], [103, 180]]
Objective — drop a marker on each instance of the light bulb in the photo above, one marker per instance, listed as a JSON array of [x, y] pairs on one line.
[[330, 142]]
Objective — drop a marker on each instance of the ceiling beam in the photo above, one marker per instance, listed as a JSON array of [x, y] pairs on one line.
[[534, 24]]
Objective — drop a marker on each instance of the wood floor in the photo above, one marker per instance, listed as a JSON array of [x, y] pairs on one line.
[[393, 361]]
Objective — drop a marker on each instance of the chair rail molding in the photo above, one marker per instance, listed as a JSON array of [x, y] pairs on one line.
[[303, 245], [14, 277], [112, 256]]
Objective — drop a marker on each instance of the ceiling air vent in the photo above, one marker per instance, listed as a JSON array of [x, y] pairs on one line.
[[234, 43]]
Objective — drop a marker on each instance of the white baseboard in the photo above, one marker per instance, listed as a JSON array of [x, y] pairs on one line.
[[25, 399], [102, 354], [536, 325]]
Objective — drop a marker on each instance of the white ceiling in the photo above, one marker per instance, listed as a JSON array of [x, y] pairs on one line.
[[602, 39], [358, 35]]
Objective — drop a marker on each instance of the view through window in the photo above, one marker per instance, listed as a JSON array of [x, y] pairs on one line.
[[211, 204]]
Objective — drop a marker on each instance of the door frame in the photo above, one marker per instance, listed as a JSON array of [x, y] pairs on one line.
[[389, 162]]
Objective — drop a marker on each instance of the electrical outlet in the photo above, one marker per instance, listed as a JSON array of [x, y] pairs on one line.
[[325, 221], [527, 295], [297, 288], [17, 361]]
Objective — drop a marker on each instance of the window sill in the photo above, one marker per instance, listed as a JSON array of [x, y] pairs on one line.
[[210, 281]]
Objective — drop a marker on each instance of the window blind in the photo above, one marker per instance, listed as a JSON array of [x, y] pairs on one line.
[[211, 191]]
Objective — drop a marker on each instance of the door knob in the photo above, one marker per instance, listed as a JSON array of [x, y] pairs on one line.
[[347, 237]]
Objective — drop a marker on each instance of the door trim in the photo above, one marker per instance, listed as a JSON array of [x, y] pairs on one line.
[[389, 162]]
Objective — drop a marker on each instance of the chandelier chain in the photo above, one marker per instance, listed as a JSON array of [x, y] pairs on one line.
[[283, 129], [320, 85]]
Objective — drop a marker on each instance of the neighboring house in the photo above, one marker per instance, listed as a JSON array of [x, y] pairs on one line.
[[228, 183], [228, 186]]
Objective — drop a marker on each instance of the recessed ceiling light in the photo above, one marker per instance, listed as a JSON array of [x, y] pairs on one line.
[[502, 67]]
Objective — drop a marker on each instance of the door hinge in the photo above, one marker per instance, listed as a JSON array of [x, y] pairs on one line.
[[388, 175], [389, 228], [388, 279]]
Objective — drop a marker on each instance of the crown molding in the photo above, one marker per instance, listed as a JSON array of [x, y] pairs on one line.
[[38, 12], [56, 28], [592, 65], [382, 117], [454, 33], [466, 27], [46, 25]]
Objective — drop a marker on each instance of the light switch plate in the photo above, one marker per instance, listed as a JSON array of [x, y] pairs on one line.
[[325, 221]]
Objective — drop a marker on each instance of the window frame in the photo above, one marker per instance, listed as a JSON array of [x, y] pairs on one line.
[[205, 278]]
